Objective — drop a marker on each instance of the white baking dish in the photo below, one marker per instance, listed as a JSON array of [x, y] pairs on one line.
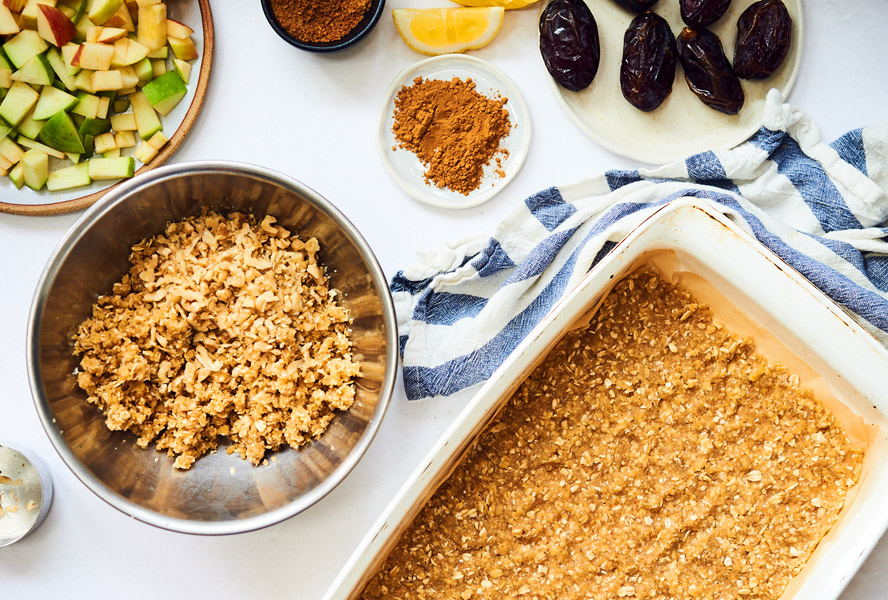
[[755, 294]]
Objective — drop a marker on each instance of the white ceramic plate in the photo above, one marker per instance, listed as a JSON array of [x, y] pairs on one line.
[[682, 125], [406, 168], [194, 13]]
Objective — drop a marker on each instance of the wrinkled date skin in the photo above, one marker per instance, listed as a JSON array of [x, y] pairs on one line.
[[636, 6], [648, 67], [569, 43], [764, 33], [708, 72], [700, 13]]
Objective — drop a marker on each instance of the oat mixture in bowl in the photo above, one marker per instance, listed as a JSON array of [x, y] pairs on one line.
[[653, 454], [223, 328]]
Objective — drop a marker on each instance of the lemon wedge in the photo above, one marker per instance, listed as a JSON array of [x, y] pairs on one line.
[[437, 31], [507, 4]]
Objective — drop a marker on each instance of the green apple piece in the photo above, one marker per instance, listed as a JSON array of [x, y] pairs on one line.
[[74, 158], [87, 105], [159, 52], [61, 133], [17, 175], [102, 10], [54, 57], [68, 51], [29, 127], [94, 126], [120, 105], [5, 130], [10, 150], [165, 92], [36, 71], [52, 101], [102, 169], [183, 48], [69, 177], [144, 70], [89, 145], [5, 79], [18, 102], [32, 145], [83, 81], [183, 68], [24, 46], [4, 62], [35, 166], [147, 121]]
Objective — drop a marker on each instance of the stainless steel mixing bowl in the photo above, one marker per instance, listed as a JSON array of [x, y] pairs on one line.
[[221, 494]]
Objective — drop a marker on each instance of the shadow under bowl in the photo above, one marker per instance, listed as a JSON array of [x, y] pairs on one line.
[[221, 493], [358, 32]]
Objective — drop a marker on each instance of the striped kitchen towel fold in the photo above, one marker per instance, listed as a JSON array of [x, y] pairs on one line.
[[821, 208]]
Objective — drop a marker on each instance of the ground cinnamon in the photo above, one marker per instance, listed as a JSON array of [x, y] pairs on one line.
[[319, 21], [452, 129]]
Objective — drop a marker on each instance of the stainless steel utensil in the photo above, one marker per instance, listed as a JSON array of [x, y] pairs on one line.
[[25, 493]]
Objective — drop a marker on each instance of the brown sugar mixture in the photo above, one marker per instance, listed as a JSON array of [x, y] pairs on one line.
[[319, 21], [452, 129], [652, 455], [222, 327]]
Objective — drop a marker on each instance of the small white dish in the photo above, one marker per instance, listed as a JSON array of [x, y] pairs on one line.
[[408, 171], [682, 125]]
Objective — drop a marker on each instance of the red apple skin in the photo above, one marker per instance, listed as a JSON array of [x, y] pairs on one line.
[[75, 60], [15, 5], [61, 28]]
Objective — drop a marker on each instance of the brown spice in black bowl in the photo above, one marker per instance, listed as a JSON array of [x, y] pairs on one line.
[[319, 21]]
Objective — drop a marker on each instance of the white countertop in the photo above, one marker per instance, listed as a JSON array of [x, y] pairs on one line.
[[313, 117]]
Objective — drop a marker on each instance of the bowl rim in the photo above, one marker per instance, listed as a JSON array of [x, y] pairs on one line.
[[353, 37], [64, 248]]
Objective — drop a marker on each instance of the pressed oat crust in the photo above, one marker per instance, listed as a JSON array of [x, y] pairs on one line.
[[222, 327], [652, 455]]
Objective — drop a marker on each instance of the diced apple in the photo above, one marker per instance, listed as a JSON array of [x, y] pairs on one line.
[[122, 18], [96, 57], [4, 63], [152, 26], [36, 169], [15, 6], [183, 69], [36, 71], [178, 30], [8, 24], [12, 151], [147, 120], [5, 130], [35, 145], [28, 18], [70, 177], [29, 127], [94, 127], [17, 176], [158, 140], [5, 165], [109, 35], [92, 34], [165, 92], [73, 157], [141, 3], [55, 60], [83, 81], [158, 67], [5, 78], [183, 48], [115, 153], [145, 152], [87, 106], [24, 46], [54, 27], [120, 105], [125, 139], [106, 80], [19, 101], [124, 122], [111, 168], [127, 52], [104, 107], [60, 133], [52, 101], [68, 51], [102, 10], [127, 91], [105, 142]]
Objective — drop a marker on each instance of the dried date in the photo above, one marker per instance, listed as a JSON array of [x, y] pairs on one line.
[[648, 67], [636, 6], [708, 72], [569, 43], [700, 13], [764, 34]]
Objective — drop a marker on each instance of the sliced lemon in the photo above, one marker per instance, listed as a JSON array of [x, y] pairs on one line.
[[507, 4], [437, 31]]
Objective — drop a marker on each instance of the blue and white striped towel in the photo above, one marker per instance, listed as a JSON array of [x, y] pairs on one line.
[[821, 208]]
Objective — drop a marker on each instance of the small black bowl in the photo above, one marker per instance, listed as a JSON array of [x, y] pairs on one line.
[[367, 22]]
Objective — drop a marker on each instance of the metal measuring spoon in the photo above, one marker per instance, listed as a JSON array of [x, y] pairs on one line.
[[25, 494]]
